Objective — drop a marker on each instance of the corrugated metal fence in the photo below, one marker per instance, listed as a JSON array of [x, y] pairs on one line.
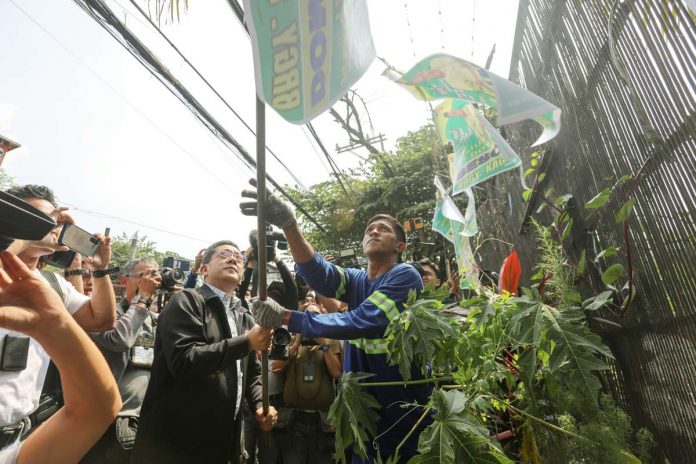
[[624, 74]]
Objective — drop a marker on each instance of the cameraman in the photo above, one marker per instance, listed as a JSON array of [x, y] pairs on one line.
[[308, 391], [126, 349]]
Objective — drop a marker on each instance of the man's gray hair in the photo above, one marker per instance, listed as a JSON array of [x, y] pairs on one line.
[[128, 268], [210, 251]]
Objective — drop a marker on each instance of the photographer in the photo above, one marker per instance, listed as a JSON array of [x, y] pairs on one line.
[[126, 350], [96, 312], [308, 391], [28, 306]]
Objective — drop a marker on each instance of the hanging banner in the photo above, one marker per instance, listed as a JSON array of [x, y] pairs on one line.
[[449, 222], [307, 54], [480, 152], [443, 76], [468, 270]]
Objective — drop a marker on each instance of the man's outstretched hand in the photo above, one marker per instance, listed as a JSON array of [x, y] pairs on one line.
[[267, 313], [278, 212]]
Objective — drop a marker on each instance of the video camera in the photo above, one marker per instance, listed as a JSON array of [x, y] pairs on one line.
[[173, 272], [20, 220], [274, 238], [280, 345]]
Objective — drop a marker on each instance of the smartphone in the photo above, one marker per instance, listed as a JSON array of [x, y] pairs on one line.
[[60, 259], [78, 240]]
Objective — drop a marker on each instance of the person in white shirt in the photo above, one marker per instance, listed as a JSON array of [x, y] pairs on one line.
[[20, 390]]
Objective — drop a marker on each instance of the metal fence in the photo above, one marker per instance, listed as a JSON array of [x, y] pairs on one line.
[[624, 74]]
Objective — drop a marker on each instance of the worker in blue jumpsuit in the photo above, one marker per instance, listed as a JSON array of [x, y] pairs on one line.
[[374, 298]]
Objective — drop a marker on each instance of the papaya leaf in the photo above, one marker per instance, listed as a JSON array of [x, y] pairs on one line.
[[353, 415], [612, 273], [420, 334], [456, 436], [576, 349], [599, 200], [625, 211]]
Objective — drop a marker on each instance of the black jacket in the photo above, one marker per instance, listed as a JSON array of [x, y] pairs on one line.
[[188, 415]]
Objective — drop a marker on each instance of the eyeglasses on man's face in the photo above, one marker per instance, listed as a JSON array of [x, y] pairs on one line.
[[227, 254]]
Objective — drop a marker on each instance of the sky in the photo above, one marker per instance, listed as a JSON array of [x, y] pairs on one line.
[[124, 153]]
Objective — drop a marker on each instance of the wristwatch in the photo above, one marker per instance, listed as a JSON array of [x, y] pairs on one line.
[[141, 299], [325, 347]]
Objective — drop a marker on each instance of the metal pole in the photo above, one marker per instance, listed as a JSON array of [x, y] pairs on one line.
[[261, 227]]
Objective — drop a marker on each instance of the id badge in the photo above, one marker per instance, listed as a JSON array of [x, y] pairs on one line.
[[15, 352]]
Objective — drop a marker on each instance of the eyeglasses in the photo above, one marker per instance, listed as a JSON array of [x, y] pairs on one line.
[[139, 275], [226, 254]]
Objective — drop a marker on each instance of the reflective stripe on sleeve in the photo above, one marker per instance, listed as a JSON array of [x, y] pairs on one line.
[[372, 345], [384, 303]]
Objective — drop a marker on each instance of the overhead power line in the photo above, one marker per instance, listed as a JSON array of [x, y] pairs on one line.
[[210, 86], [101, 13], [126, 100]]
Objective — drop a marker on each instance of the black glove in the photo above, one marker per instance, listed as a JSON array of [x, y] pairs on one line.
[[278, 212]]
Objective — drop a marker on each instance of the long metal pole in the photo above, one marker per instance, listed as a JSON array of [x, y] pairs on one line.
[[261, 227]]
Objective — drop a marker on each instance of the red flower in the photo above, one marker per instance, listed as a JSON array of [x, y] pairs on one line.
[[510, 274]]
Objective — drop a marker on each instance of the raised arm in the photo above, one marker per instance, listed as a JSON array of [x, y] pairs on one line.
[[90, 393], [99, 313]]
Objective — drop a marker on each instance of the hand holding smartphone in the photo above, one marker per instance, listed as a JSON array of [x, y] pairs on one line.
[[78, 240]]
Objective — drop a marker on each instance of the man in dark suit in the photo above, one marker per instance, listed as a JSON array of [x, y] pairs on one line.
[[205, 365]]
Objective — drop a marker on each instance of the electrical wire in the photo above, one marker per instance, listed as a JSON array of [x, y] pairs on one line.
[[129, 221], [105, 17], [120, 95], [210, 86]]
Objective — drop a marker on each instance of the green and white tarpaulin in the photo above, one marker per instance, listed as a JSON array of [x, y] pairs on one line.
[[457, 228], [308, 53], [442, 76], [480, 152]]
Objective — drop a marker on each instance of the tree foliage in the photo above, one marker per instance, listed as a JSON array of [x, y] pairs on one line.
[[121, 248], [404, 189]]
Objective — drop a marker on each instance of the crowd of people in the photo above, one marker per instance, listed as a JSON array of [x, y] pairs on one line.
[[89, 377]]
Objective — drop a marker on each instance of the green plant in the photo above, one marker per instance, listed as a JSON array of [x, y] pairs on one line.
[[523, 366]]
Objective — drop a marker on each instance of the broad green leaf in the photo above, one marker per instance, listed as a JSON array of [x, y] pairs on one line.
[[529, 171], [625, 211], [535, 155], [420, 334], [599, 200], [612, 273], [541, 177], [597, 302], [606, 253], [456, 436], [534, 163], [526, 194], [353, 415]]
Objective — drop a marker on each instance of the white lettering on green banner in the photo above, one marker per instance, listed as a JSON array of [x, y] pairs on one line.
[[307, 53], [479, 151]]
